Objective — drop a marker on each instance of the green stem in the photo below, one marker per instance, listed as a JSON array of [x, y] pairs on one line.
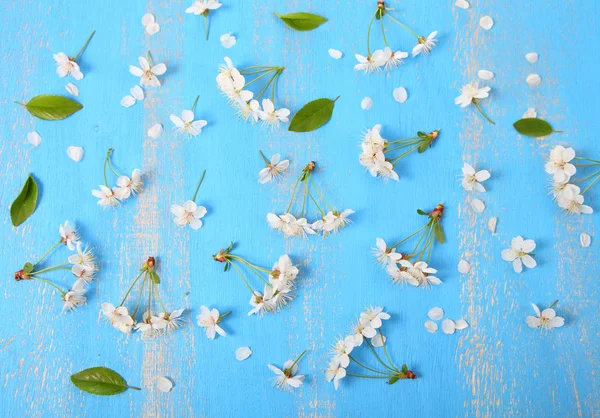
[[587, 159], [293, 195], [409, 237], [206, 20], [403, 140], [47, 269], [297, 360], [20, 103], [155, 289], [195, 101], [553, 303], [62, 292], [590, 185], [385, 350], [401, 156], [223, 316], [587, 178], [131, 287], [379, 358], [198, 186], [369, 34], [137, 306], [383, 31], [242, 276], [48, 252], [587, 165], [149, 58], [403, 25], [320, 195], [267, 162], [366, 367], [133, 387], [264, 74], [369, 377], [476, 103], [305, 198], [84, 46], [266, 87], [108, 154], [408, 144], [316, 204]]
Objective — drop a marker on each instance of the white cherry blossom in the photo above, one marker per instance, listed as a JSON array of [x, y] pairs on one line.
[[147, 73], [518, 253], [545, 319], [188, 214]]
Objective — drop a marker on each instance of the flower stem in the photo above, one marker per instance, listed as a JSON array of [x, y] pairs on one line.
[[242, 276], [401, 156], [587, 178], [320, 195], [379, 358], [62, 292], [293, 195], [223, 316], [369, 377], [383, 31], [195, 101], [267, 162], [366, 367], [131, 287], [553, 303], [590, 185], [84, 46], [155, 289], [403, 25], [149, 57], [409, 237], [264, 74], [137, 306], [385, 350], [297, 360], [133, 387], [587, 159], [198, 186], [47, 269], [316, 204], [48, 252], [206, 20], [108, 154], [476, 103], [369, 34]]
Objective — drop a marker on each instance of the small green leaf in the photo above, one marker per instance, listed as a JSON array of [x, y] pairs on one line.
[[533, 127], [393, 380], [226, 266], [439, 234], [313, 115], [421, 212], [423, 146], [155, 277], [302, 21], [404, 368], [100, 381], [28, 267], [50, 107], [24, 204]]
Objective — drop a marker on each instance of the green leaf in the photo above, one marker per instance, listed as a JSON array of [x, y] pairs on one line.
[[302, 21], [24, 204], [423, 146], [50, 107], [155, 277], [100, 381], [533, 127], [439, 234], [313, 115], [226, 266], [421, 212], [404, 368], [393, 380], [27, 268]]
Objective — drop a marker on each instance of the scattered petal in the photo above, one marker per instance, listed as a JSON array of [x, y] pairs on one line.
[[147, 19], [128, 101], [448, 326], [431, 327], [400, 94], [486, 22], [532, 57], [34, 138], [492, 224], [485, 74], [464, 267], [461, 324], [156, 131], [335, 54], [366, 103], [533, 80], [530, 114], [585, 240], [242, 353], [164, 384], [137, 93], [152, 29], [75, 153], [228, 40], [478, 205], [435, 314], [463, 4], [72, 89]]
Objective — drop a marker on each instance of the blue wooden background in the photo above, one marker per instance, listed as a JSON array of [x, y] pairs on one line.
[[497, 367]]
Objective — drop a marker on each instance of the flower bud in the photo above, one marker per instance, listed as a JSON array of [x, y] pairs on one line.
[[21, 275], [437, 212]]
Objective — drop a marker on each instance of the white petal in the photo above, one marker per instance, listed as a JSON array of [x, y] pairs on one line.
[[228, 40], [34, 138], [152, 28], [477, 205], [164, 385], [531, 113], [464, 267], [366, 103], [431, 327], [128, 101], [435, 314], [335, 54], [448, 326], [486, 22], [533, 80], [156, 131], [532, 57], [72, 88], [137, 92], [400, 94], [75, 153], [463, 4], [461, 324], [242, 353], [492, 224], [585, 240], [147, 19], [485, 74]]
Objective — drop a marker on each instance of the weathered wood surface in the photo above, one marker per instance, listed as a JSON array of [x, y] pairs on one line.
[[497, 367]]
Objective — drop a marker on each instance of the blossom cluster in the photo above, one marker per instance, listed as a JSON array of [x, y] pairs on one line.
[[376, 150], [81, 263], [232, 83], [366, 330], [561, 166], [125, 186]]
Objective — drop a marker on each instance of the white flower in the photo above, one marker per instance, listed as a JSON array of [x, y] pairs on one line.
[[574, 205], [227, 40], [546, 319], [385, 255], [75, 153], [472, 180], [392, 59], [425, 45], [72, 89], [283, 272], [342, 349], [289, 225], [69, 235], [74, 297], [147, 326], [362, 329], [67, 66], [249, 110], [378, 340], [518, 253], [129, 185], [201, 6], [375, 316], [107, 196], [188, 214], [419, 274], [287, 379], [173, 320], [34, 138], [469, 92], [83, 257], [209, 319], [118, 317], [187, 124], [334, 221], [371, 63], [84, 272], [276, 221], [270, 116], [335, 372], [262, 304], [559, 164], [400, 275], [273, 170], [148, 74], [283, 296]]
